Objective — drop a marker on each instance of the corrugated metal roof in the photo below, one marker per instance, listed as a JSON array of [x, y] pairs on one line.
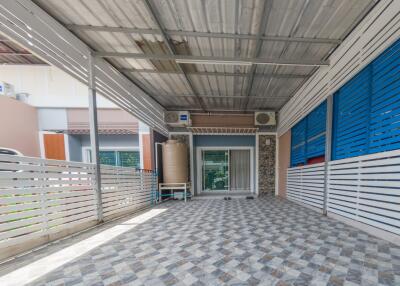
[[324, 19]]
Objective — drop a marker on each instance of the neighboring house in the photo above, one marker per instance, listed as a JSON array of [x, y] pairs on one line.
[[68, 129], [64, 134], [55, 124], [19, 127]]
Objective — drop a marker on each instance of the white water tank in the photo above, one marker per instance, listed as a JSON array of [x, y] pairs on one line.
[[175, 162]]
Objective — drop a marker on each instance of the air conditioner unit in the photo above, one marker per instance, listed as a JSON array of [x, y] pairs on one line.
[[6, 89], [177, 118], [264, 118]]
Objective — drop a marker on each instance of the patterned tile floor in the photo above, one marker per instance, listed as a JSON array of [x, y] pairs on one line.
[[264, 241]]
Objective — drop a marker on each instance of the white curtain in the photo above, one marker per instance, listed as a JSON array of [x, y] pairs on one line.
[[239, 170]]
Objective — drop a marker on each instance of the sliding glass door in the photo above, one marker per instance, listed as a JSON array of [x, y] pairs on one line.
[[239, 170], [225, 170], [215, 170]]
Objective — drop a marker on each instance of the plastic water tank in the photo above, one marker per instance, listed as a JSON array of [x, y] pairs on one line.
[[175, 162]]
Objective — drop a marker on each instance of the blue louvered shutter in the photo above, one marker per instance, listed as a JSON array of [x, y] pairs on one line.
[[298, 139], [316, 127], [351, 117], [385, 101]]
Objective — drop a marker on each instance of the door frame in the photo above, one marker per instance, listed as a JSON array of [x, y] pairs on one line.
[[43, 149], [199, 165]]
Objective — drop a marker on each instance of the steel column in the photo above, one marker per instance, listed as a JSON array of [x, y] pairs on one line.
[[328, 147], [94, 136]]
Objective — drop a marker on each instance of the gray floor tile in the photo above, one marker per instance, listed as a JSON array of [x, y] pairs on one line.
[[265, 241]]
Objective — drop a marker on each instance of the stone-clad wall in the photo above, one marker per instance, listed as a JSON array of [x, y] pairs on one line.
[[266, 164]]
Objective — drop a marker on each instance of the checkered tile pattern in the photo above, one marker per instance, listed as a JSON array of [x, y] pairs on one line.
[[264, 241]]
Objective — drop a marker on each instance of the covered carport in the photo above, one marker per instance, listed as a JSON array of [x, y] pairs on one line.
[[322, 203]]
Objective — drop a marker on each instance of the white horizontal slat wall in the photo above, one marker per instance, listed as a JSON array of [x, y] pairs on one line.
[[126, 189], [367, 189], [305, 184], [39, 197], [376, 32]]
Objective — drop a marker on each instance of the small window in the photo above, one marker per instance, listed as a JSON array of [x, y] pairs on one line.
[[118, 158], [129, 159]]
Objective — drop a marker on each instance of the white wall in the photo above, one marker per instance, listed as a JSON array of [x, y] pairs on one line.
[[48, 86], [52, 118]]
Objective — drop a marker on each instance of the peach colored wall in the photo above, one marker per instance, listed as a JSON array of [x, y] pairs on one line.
[[146, 149], [284, 162], [19, 127], [78, 118]]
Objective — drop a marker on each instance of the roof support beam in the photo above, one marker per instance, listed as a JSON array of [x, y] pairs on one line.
[[15, 54], [171, 48], [149, 71], [249, 111], [217, 60], [226, 96], [78, 28]]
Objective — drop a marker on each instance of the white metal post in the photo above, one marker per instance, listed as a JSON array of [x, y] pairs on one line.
[[192, 184], [277, 165], [328, 147], [94, 138], [257, 164]]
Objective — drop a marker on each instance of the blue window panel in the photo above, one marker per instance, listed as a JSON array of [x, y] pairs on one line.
[[316, 147], [298, 156], [367, 109], [316, 127], [351, 112], [308, 136], [385, 101], [298, 140], [366, 114]]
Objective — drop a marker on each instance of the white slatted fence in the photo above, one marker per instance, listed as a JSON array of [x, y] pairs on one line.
[[39, 197], [367, 189], [305, 184], [126, 189]]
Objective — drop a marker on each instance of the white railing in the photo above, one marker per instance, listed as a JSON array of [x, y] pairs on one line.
[[40, 199], [305, 184], [126, 189], [367, 189]]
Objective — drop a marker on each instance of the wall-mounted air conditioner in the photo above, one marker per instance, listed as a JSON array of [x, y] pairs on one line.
[[177, 118], [264, 118], [6, 89]]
